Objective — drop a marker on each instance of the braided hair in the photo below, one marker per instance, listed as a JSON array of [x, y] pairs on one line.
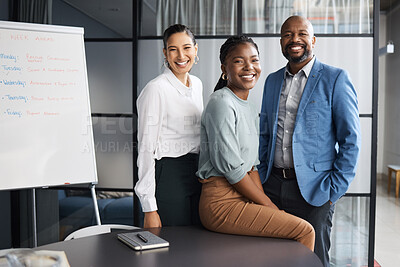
[[226, 48]]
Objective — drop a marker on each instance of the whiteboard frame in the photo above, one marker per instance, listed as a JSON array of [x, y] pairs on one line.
[[10, 25]]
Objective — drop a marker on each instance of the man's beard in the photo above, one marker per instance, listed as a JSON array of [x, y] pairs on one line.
[[299, 59]]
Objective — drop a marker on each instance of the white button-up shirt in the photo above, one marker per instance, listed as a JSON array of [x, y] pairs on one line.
[[169, 115]]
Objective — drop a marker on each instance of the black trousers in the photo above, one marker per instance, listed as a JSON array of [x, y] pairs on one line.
[[285, 194], [178, 190]]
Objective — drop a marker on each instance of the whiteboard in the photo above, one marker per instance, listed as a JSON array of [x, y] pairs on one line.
[[45, 120]]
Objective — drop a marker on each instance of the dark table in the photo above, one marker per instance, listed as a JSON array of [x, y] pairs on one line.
[[189, 246]]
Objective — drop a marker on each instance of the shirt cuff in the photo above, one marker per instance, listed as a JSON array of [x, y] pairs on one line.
[[148, 204], [234, 176]]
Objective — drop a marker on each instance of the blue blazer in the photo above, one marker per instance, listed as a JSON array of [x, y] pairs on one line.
[[326, 137]]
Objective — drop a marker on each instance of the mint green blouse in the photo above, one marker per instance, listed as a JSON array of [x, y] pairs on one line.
[[228, 137]]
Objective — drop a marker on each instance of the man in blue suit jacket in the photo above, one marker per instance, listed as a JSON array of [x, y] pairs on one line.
[[309, 133]]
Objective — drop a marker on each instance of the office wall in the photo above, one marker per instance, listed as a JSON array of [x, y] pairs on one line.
[[64, 14], [392, 97], [109, 66], [149, 12], [5, 222], [3, 10]]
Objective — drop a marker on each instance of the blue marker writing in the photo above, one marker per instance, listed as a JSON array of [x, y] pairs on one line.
[[9, 68], [17, 97], [17, 83], [8, 57], [13, 113]]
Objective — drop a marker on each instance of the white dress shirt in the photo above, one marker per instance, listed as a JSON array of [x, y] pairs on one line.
[[169, 115]]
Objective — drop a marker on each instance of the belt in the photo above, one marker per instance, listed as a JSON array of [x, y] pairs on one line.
[[285, 173]]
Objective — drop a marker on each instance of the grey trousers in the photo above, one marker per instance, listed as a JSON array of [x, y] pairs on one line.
[[285, 194]]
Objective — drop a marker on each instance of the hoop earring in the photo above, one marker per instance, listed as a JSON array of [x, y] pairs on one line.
[[196, 59], [166, 64], [224, 77]]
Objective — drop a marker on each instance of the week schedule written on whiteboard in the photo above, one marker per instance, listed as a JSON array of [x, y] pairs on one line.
[[45, 122]]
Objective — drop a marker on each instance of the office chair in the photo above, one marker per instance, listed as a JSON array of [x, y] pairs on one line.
[[98, 229]]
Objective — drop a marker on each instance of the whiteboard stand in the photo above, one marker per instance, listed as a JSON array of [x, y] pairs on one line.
[[96, 213], [99, 228], [96, 207], [34, 226]]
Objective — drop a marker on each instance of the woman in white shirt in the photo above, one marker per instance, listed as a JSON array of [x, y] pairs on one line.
[[169, 113]]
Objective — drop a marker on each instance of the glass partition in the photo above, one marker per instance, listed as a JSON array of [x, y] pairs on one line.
[[100, 18], [109, 67], [219, 17], [350, 232], [203, 17], [327, 17]]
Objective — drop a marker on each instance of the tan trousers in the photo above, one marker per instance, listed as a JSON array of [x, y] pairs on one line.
[[223, 209]]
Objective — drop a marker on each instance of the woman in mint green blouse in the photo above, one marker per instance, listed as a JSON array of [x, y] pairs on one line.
[[232, 198]]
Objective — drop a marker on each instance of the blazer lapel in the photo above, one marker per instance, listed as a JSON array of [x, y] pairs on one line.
[[312, 81]]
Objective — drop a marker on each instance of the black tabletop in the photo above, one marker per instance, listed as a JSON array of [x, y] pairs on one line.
[[189, 246]]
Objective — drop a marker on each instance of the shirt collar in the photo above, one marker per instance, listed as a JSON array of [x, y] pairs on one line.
[[177, 84], [306, 69]]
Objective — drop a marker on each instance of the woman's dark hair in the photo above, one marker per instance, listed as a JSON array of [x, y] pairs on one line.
[[175, 29], [226, 48]]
